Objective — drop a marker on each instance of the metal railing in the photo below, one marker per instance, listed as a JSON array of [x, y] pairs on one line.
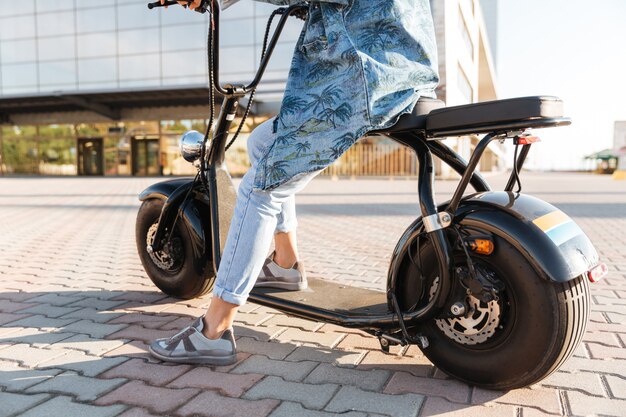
[[374, 159]]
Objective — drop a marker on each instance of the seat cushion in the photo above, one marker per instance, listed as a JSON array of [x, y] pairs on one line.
[[485, 116], [416, 120]]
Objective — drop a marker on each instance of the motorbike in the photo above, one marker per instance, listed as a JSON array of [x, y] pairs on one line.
[[492, 286]]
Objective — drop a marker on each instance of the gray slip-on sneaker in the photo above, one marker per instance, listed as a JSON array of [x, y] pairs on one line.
[[274, 276], [191, 346]]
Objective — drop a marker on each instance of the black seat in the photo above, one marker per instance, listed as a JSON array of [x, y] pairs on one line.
[[416, 120], [487, 116]]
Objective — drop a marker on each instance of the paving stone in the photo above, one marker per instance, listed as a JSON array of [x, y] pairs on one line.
[[320, 354], [16, 378], [213, 405], [616, 367], [74, 360], [289, 409], [35, 337], [360, 342], [604, 338], [156, 399], [606, 352], [273, 350], [134, 332], [228, 384], [372, 380], [589, 383], [8, 318], [10, 306], [581, 404], [80, 387], [419, 366], [148, 321], [152, 373], [29, 356], [329, 339], [95, 330], [287, 321], [290, 371], [43, 322], [451, 390], [544, 399], [139, 412], [97, 303], [16, 404], [88, 344], [54, 299], [311, 396], [48, 310], [133, 349], [354, 399], [91, 314], [435, 406], [617, 386], [64, 406], [260, 333]]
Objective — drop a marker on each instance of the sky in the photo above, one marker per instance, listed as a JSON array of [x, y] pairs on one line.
[[573, 49]]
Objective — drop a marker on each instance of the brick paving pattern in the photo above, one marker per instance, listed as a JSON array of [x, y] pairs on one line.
[[77, 309]]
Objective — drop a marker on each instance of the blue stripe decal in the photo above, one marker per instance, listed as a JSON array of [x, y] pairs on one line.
[[564, 232]]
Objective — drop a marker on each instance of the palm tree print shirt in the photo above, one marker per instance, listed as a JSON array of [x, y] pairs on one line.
[[358, 65]]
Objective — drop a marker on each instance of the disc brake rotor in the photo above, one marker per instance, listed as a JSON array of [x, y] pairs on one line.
[[477, 326], [160, 258]]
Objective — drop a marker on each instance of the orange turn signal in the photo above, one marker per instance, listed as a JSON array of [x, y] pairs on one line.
[[481, 246]]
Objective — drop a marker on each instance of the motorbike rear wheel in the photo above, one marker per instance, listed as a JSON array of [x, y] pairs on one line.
[[170, 269], [513, 342]]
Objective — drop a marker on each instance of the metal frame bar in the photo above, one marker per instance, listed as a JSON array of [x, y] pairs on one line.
[[520, 163], [469, 172]]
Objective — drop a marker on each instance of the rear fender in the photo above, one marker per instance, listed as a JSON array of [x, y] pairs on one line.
[[195, 217], [549, 239]]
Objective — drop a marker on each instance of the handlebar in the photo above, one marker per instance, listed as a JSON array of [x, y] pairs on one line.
[[200, 9], [297, 10]]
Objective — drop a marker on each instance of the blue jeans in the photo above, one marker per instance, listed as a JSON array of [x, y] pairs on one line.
[[258, 215]]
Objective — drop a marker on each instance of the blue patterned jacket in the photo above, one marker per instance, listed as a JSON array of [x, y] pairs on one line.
[[358, 65]]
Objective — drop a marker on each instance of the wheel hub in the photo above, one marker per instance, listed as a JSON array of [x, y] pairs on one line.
[[161, 258], [477, 326]]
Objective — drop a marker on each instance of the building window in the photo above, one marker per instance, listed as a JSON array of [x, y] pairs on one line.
[[465, 36], [465, 87]]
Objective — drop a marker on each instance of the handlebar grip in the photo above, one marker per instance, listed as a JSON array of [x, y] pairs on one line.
[[203, 8], [158, 4]]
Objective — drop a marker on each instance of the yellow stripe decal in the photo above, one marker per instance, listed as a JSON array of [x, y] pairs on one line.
[[551, 220]]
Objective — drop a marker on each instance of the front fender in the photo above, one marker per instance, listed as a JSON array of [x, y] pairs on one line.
[[195, 217], [549, 239], [162, 190]]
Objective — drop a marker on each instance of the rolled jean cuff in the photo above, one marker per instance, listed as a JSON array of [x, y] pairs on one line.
[[286, 227], [229, 297]]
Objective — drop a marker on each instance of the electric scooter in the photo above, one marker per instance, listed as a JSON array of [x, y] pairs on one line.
[[493, 286]]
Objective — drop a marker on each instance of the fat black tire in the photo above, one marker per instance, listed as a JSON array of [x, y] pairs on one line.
[[542, 325], [183, 281]]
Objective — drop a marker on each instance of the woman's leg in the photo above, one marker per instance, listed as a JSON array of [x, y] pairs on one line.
[[254, 222]]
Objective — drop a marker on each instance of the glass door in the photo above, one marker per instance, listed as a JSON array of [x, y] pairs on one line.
[[145, 151], [90, 156]]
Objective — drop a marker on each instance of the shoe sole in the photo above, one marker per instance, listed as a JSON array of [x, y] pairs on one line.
[[197, 360], [289, 286]]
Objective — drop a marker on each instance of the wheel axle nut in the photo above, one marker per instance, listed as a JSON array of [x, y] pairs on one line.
[[458, 309]]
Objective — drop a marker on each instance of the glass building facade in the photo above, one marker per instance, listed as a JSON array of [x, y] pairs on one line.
[[77, 45]]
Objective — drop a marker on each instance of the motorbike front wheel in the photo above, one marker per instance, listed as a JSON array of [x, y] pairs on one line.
[[171, 269], [511, 342]]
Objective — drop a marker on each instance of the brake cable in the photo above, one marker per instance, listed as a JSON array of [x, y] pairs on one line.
[[253, 92]]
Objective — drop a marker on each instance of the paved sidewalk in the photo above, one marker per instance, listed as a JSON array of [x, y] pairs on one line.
[[76, 312]]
